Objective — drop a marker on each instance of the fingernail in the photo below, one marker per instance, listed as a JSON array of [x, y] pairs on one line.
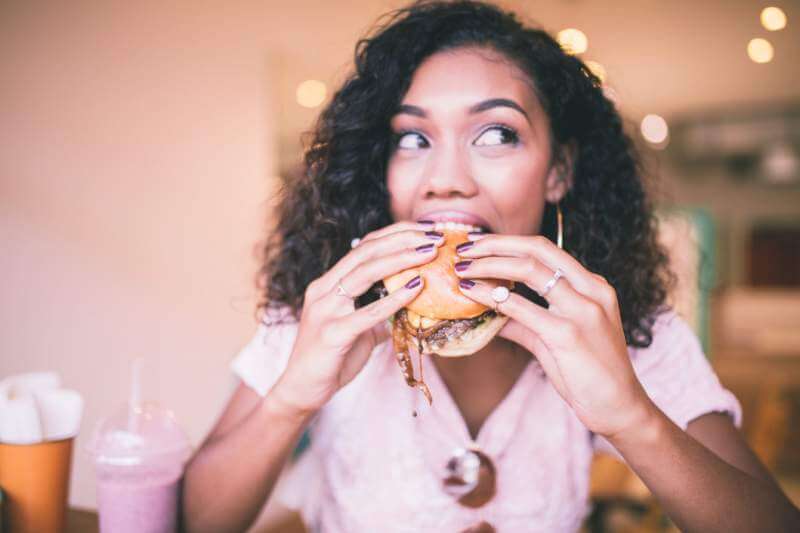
[[476, 235], [464, 246], [466, 283], [425, 248], [426, 222], [435, 235], [413, 283], [461, 266]]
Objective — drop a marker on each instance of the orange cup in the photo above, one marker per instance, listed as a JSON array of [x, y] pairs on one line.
[[35, 480]]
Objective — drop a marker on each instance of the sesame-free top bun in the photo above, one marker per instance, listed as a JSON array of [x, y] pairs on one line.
[[440, 297], [441, 300]]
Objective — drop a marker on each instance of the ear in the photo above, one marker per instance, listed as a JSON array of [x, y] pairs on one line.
[[560, 176]]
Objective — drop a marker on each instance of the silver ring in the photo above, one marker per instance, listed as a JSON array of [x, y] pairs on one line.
[[341, 292], [557, 275], [500, 294], [355, 242]]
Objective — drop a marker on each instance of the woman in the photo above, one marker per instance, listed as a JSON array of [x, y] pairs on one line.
[[456, 112]]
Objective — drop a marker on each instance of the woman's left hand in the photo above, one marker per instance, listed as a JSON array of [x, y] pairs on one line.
[[579, 340]]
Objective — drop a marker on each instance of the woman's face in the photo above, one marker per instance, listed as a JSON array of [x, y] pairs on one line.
[[472, 145]]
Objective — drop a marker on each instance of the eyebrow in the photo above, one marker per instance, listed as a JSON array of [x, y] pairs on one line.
[[480, 107]]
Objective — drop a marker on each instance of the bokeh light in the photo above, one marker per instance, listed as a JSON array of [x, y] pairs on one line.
[[597, 69], [573, 41], [311, 93], [760, 50], [773, 18], [654, 129]]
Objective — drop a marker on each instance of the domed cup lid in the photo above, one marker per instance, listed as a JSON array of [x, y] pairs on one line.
[[142, 434]]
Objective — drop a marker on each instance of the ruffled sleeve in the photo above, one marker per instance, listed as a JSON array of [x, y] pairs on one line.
[[676, 375], [262, 361]]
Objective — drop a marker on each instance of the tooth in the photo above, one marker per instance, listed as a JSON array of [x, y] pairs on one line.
[[451, 225]]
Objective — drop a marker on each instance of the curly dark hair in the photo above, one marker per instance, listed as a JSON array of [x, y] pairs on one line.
[[342, 193]]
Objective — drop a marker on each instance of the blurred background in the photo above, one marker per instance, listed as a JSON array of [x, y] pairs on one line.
[[140, 144]]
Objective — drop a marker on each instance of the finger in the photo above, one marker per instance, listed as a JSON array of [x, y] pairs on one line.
[[405, 225], [389, 243], [538, 247], [366, 274], [552, 329], [372, 315], [382, 332], [563, 298], [519, 334]]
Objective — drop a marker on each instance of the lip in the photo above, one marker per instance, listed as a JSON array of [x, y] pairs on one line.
[[464, 217]]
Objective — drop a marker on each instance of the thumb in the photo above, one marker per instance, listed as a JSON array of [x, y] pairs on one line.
[[516, 332], [381, 332], [519, 334]]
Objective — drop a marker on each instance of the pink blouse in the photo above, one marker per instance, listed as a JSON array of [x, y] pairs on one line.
[[373, 466]]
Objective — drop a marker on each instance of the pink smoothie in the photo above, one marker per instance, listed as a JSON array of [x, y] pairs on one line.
[[147, 506]]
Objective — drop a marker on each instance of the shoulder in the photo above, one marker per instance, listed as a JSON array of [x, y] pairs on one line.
[[674, 343], [677, 375], [263, 359]]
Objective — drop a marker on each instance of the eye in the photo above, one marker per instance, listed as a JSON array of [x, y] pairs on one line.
[[410, 140], [497, 135]]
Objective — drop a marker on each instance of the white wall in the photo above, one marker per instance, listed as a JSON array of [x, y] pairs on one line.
[[135, 156]]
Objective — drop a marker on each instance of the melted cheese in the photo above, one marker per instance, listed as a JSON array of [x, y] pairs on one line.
[[417, 321]]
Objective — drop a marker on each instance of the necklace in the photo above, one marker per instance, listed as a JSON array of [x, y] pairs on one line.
[[469, 474]]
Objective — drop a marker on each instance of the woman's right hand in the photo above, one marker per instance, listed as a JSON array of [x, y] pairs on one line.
[[334, 339]]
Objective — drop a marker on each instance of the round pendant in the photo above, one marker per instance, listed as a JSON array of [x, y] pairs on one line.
[[483, 527], [470, 477]]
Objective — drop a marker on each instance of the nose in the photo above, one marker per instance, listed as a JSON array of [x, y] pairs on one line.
[[449, 175]]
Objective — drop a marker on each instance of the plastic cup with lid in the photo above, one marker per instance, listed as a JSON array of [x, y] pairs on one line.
[[139, 454]]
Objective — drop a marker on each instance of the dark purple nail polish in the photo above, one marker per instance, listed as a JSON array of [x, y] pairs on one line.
[[425, 248], [466, 283], [435, 235], [464, 246], [426, 221], [413, 283], [461, 266]]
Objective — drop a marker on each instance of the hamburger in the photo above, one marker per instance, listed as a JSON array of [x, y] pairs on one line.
[[441, 320]]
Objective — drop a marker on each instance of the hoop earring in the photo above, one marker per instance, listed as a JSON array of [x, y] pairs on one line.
[[560, 219]]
